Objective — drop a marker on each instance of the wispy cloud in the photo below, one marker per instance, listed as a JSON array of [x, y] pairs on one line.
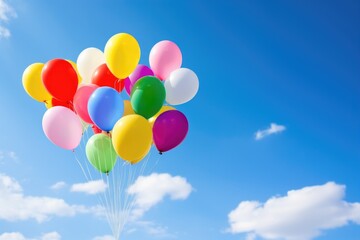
[[6, 13], [58, 185], [8, 155], [105, 237], [153, 229], [300, 215], [15, 206], [151, 190], [12, 155], [4, 32], [91, 187], [20, 236], [274, 128]]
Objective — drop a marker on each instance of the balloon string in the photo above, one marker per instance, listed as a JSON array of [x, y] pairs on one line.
[[108, 189], [156, 163], [117, 203], [104, 194], [87, 179], [114, 193]]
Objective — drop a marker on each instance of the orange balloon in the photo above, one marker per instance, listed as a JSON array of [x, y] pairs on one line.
[[127, 108]]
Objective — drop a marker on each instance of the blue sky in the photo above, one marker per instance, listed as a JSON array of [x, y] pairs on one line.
[[291, 63]]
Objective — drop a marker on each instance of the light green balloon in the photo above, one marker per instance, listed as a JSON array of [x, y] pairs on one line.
[[100, 152]]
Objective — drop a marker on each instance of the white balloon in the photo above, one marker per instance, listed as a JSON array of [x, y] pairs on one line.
[[87, 62], [181, 86]]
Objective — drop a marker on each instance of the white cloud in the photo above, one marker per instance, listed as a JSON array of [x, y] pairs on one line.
[[274, 128], [6, 12], [20, 236], [51, 236], [106, 237], [58, 185], [91, 187], [300, 215], [151, 190], [12, 236], [14, 205]]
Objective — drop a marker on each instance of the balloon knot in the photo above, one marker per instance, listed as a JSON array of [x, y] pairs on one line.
[[161, 153]]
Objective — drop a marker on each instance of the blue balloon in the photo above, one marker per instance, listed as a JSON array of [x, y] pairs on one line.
[[105, 107]]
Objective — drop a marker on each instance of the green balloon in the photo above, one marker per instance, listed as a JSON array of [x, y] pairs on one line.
[[147, 96], [101, 153]]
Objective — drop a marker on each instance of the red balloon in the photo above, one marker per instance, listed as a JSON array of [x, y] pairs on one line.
[[120, 84], [60, 79], [57, 102], [96, 130], [103, 77]]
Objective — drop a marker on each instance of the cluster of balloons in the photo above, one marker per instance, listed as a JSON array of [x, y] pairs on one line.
[[88, 92]]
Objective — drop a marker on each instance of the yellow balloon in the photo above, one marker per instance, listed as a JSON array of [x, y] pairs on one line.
[[132, 138], [32, 82], [163, 109], [76, 69], [48, 103], [128, 108], [122, 54]]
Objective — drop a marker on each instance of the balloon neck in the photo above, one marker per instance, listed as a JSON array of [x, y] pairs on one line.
[[160, 152], [107, 173]]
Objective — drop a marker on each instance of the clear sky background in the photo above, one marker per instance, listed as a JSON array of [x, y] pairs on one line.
[[291, 63]]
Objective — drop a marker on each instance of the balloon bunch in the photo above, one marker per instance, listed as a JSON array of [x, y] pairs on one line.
[[89, 92]]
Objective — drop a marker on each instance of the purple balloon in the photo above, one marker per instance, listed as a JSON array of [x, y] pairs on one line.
[[139, 72], [169, 130]]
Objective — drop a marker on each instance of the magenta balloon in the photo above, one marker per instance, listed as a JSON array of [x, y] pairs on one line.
[[139, 72], [128, 86], [81, 99], [169, 130], [62, 127]]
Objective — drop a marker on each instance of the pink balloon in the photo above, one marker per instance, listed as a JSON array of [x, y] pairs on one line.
[[62, 127], [165, 57], [81, 99]]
